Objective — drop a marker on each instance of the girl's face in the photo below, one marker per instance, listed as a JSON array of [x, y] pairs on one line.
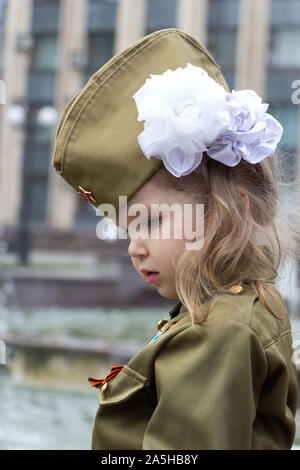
[[158, 254]]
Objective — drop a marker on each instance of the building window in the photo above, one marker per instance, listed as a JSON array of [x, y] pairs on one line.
[[223, 18], [38, 135], [285, 12], [100, 50], [284, 48], [45, 16], [43, 68], [223, 13], [45, 53], [160, 14], [101, 15], [101, 32], [221, 45]]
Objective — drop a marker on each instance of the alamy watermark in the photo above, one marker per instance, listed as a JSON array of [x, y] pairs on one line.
[[296, 94], [180, 226], [2, 92]]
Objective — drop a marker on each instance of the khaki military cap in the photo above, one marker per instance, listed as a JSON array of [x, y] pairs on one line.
[[96, 149]]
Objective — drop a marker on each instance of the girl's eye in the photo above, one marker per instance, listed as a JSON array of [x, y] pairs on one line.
[[147, 224], [153, 222]]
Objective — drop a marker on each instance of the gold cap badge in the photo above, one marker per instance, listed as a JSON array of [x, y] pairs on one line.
[[87, 195]]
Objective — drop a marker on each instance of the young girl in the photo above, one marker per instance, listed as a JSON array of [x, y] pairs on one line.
[[219, 373]]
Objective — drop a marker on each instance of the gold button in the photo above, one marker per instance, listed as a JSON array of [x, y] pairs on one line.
[[238, 289], [162, 323], [104, 387]]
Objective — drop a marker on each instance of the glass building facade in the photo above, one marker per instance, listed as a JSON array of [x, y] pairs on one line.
[[40, 93], [283, 67]]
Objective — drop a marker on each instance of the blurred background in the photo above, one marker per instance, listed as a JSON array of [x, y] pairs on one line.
[[71, 305]]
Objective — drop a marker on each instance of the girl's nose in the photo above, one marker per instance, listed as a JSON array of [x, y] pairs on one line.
[[137, 248]]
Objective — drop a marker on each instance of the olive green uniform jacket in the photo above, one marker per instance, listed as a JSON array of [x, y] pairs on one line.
[[229, 383]]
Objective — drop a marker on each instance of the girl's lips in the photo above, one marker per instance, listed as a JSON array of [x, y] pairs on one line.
[[151, 277]]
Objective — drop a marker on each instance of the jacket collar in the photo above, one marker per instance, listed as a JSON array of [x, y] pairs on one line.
[[175, 311]]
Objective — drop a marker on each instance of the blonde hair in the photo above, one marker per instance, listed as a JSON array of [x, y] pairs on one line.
[[245, 238]]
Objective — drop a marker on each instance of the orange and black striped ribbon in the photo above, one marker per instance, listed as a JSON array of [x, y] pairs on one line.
[[94, 382], [171, 324]]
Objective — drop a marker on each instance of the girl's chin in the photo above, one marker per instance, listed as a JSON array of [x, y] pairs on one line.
[[167, 293]]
